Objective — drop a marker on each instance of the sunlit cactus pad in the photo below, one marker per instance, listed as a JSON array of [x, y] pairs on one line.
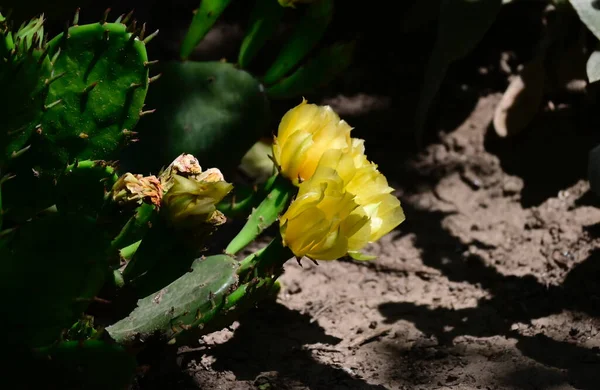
[[188, 302], [91, 109]]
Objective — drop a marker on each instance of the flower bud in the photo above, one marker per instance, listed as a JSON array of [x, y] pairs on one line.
[[190, 202]]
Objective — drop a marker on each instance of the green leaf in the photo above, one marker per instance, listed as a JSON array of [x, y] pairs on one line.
[[462, 25]]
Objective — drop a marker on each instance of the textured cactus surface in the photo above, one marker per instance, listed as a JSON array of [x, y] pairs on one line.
[[24, 69], [77, 97], [184, 303], [99, 98], [52, 268], [209, 109], [82, 188]]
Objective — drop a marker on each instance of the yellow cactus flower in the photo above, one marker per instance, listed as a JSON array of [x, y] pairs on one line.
[[322, 218], [372, 192], [344, 206], [190, 203], [305, 133]]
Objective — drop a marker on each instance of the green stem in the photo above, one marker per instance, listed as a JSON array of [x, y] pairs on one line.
[[204, 18], [264, 19], [128, 252], [267, 261], [258, 275], [243, 199], [135, 228], [264, 215]]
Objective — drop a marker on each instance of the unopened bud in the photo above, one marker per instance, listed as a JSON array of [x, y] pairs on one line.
[[190, 203]]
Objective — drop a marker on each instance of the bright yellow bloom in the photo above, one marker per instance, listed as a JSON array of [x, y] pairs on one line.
[[322, 218], [305, 133], [345, 205], [372, 192]]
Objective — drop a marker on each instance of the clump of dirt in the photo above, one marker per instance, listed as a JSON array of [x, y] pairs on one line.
[[490, 283]]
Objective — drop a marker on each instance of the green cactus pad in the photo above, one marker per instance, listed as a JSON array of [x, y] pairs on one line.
[[193, 296], [239, 302], [91, 364], [52, 267], [209, 109], [91, 110], [92, 99], [82, 188], [25, 72]]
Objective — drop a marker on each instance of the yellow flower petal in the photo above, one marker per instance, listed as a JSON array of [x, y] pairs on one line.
[[343, 201], [305, 133], [320, 220]]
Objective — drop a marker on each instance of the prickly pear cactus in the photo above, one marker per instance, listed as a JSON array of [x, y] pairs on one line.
[[85, 90], [52, 268], [91, 110], [209, 109], [188, 302], [91, 181], [25, 73]]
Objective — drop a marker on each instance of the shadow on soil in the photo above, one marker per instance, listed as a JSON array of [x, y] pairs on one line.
[[271, 339], [550, 155], [513, 299]]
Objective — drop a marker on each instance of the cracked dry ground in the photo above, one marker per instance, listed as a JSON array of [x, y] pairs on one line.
[[490, 283]]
